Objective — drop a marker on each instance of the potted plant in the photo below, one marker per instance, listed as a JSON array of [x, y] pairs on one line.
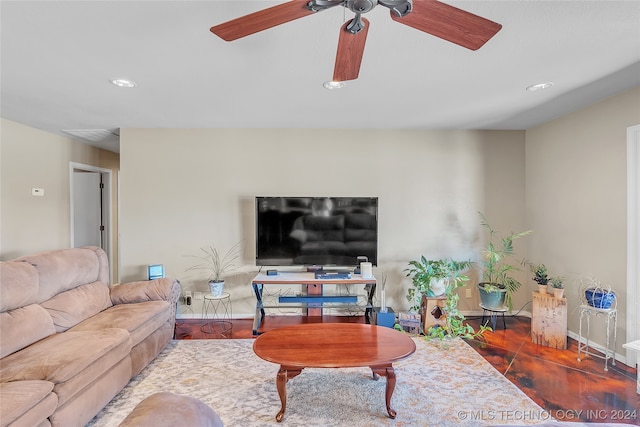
[[596, 293], [498, 284], [557, 283], [217, 265], [541, 277], [454, 324], [431, 277]]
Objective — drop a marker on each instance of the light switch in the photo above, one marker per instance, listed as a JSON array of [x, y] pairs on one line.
[[37, 191]]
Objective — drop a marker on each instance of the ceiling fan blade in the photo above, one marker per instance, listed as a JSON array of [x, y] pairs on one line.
[[449, 23], [350, 52], [261, 20]]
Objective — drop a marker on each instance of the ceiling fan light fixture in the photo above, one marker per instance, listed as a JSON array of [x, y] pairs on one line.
[[539, 86], [123, 82], [333, 85]]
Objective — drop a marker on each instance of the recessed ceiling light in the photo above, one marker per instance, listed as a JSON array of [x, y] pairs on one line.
[[333, 85], [539, 86], [122, 82]]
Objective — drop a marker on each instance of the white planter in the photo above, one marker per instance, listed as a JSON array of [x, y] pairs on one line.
[[216, 288], [438, 286]]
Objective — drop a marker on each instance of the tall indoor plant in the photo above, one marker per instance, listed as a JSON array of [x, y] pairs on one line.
[[497, 265]]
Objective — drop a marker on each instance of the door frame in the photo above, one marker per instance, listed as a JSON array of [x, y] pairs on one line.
[[106, 207], [633, 237]]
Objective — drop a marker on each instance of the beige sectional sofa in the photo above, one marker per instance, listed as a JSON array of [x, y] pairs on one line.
[[69, 342]]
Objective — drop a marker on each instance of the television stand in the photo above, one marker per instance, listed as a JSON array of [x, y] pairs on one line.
[[314, 298]]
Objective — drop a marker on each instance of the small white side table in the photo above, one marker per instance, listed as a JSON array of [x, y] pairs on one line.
[[635, 345], [216, 315], [609, 314]]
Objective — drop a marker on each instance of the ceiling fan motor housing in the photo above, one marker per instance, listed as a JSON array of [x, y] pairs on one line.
[[361, 6]]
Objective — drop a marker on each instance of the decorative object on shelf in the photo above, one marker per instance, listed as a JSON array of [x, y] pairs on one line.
[[496, 269], [557, 283], [431, 277], [217, 265], [541, 277]]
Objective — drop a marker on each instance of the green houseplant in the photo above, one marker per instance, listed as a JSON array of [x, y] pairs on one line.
[[497, 263], [541, 277], [431, 277], [454, 324], [557, 283], [217, 265]]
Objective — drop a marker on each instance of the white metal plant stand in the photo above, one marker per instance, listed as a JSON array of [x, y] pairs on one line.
[[610, 315]]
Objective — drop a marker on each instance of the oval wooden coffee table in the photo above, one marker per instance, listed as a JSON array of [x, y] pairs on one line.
[[333, 345]]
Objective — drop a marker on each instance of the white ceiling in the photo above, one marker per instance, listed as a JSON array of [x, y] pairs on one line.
[[57, 58]]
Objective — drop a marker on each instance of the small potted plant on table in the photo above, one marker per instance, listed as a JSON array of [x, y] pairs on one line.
[[217, 265], [541, 277], [557, 283]]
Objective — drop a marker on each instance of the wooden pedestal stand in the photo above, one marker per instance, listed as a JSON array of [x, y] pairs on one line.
[[429, 314], [549, 321]]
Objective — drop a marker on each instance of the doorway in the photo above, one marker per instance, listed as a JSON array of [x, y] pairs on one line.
[[90, 210]]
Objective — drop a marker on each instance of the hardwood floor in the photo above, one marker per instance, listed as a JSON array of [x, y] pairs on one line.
[[567, 389]]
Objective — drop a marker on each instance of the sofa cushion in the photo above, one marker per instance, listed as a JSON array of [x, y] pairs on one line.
[[23, 326], [65, 269], [19, 285], [139, 319], [26, 403], [71, 307], [62, 356]]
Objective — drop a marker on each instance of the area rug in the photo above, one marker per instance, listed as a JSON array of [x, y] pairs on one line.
[[438, 385]]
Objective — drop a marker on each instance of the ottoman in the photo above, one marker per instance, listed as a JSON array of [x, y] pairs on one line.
[[168, 409]]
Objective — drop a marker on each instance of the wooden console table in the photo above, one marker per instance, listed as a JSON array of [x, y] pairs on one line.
[[313, 298]]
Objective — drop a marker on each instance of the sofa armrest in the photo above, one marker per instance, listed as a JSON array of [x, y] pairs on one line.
[[145, 290]]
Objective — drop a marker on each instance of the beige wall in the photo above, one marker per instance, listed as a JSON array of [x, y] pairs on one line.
[[183, 189], [576, 199], [33, 158]]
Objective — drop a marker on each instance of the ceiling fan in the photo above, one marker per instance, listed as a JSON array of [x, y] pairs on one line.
[[430, 16]]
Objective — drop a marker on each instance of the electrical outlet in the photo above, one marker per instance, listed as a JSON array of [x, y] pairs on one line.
[[468, 293]]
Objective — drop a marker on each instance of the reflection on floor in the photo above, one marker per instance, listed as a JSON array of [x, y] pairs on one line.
[[569, 390]]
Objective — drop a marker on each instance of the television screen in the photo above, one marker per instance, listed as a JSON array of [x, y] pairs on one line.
[[324, 231]]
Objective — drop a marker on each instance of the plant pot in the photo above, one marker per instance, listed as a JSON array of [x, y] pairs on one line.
[[492, 299], [600, 298], [437, 287], [216, 288], [558, 292], [542, 289]]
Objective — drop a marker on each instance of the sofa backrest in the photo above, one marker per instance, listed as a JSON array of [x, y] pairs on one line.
[[50, 292]]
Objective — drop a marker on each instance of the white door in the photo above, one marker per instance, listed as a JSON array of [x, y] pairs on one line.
[[90, 208], [87, 209]]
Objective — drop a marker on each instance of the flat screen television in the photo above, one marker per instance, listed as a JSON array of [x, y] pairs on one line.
[[319, 231]]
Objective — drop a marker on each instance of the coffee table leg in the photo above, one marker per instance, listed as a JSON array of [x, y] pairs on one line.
[[387, 371], [284, 375]]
